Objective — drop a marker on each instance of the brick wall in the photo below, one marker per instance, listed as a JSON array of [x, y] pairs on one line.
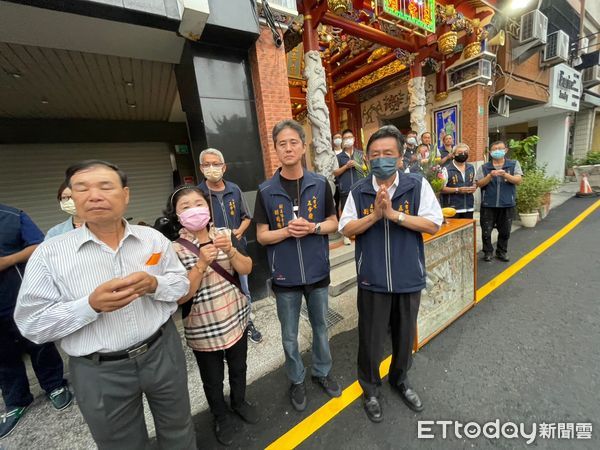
[[475, 120], [269, 77]]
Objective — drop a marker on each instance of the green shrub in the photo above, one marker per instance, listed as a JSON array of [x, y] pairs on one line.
[[533, 187]]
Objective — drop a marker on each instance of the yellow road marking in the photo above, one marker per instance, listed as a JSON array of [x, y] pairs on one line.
[[299, 433]]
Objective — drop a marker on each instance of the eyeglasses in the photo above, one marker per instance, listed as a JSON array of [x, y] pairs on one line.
[[215, 165]]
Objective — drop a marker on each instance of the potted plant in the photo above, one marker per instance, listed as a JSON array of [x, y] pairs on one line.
[[529, 196], [589, 165]]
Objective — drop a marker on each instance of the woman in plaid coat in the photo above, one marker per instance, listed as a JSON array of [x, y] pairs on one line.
[[215, 310]]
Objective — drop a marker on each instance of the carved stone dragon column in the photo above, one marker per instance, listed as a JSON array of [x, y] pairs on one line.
[[418, 98]]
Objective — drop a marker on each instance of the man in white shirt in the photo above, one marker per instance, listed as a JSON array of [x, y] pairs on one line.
[[107, 290], [388, 212]]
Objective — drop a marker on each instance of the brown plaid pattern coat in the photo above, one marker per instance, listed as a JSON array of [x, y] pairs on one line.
[[220, 311]]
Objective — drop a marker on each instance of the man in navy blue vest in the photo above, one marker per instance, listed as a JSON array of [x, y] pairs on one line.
[[497, 179], [460, 183], [228, 209], [352, 168], [19, 237], [387, 212], [294, 213]]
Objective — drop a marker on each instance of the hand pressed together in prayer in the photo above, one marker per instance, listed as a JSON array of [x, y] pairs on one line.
[[223, 242], [298, 228]]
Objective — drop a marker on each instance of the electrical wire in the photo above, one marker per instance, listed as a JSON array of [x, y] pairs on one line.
[[273, 25]]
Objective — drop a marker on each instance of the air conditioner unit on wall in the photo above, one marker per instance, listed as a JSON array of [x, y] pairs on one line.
[[534, 26], [584, 43], [556, 49], [590, 76], [478, 71]]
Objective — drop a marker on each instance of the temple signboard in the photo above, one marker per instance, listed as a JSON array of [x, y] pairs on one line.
[[418, 13]]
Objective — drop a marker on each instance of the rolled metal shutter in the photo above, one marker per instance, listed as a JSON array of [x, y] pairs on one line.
[[31, 174]]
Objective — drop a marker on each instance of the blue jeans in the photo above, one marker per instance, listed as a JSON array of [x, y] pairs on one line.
[[45, 359], [288, 311]]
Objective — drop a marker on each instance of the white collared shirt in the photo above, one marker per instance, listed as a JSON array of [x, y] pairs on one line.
[[53, 302], [429, 207]]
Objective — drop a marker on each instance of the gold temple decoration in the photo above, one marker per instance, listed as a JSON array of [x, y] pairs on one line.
[[441, 96], [338, 7], [383, 72], [472, 49], [378, 53], [447, 42]]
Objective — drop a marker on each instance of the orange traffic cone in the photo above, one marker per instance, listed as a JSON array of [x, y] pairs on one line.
[[585, 190]]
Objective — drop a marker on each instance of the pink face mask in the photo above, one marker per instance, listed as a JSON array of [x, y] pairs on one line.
[[194, 219]]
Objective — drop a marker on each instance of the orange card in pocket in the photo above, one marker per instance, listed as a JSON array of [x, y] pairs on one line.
[[154, 259]]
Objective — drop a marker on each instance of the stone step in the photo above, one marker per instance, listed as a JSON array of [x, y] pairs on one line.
[[341, 255], [343, 277]]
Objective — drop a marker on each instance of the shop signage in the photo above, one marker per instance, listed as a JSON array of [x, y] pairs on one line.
[[565, 88], [419, 13]]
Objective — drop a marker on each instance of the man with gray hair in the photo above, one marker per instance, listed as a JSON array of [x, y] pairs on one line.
[[228, 210]]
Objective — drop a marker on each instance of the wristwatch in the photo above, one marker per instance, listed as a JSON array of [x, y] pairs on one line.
[[317, 228], [401, 218], [457, 190]]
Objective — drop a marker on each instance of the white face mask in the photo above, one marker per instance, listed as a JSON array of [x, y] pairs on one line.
[[337, 142], [213, 174], [411, 141], [68, 206], [348, 142]]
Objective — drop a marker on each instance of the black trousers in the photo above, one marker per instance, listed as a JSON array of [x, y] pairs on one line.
[[212, 372], [45, 359], [375, 312], [501, 219]]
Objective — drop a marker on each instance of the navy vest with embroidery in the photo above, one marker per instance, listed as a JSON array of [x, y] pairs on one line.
[[350, 176], [297, 262], [455, 180], [499, 193], [390, 257], [227, 213]]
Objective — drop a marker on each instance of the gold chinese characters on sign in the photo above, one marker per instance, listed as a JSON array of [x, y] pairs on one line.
[[385, 71]]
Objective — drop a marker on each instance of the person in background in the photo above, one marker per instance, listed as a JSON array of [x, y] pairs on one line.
[[229, 210], [337, 143], [411, 158], [336, 140], [423, 153], [446, 150], [294, 214], [215, 310], [427, 140], [352, 167], [19, 237], [498, 180], [388, 212], [107, 291], [67, 205], [460, 183]]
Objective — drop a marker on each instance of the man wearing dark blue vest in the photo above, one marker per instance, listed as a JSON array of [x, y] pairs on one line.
[[387, 212], [228, 209], [351, 168], [294, 213], [460, 183], [498, 179]]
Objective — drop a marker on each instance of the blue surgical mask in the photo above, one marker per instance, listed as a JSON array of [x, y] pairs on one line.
[[498, 154], [383, 168]]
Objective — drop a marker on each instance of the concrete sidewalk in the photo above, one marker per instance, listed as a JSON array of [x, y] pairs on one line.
[[44, 428]]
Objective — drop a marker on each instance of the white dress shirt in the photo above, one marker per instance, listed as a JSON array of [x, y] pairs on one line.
[[429, 207], [53, 302]]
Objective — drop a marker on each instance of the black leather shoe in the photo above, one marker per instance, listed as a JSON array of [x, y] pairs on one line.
[[247, 412], [373, 409], [487, 257], [224, 430], [409, 396], [502, 257]]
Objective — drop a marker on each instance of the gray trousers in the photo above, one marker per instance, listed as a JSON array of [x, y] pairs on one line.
[[109, 395]]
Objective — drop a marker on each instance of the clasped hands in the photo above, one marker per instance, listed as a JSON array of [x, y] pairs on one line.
[[119, 292], [300, 227], [383, 205]]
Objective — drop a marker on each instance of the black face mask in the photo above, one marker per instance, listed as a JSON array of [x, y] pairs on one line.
[[461, 158]]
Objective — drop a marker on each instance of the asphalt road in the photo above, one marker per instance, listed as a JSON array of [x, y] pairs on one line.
[[528, 353]]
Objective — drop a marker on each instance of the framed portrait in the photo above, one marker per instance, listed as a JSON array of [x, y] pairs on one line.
[[446, 121]]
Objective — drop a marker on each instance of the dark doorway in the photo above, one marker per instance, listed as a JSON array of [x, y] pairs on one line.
[[400, 122]]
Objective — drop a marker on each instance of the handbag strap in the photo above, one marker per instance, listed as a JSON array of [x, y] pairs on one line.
[[235, 280]]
